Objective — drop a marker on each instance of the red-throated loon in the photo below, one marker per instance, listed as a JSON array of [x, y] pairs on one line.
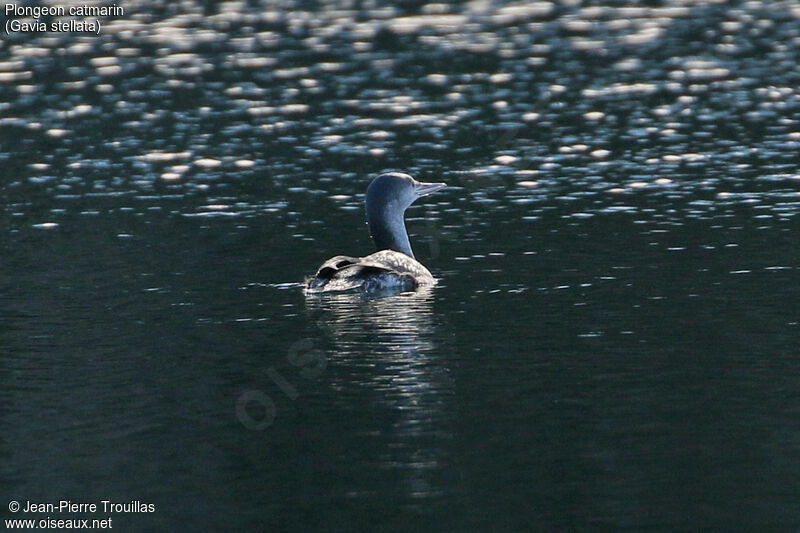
[[393, 266]]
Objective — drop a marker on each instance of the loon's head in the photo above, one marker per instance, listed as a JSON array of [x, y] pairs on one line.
[[388, 197], [395, 192]]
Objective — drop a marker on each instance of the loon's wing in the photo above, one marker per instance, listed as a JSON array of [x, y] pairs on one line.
[[383, 270], [333, 265], [343, 273], [398, 262]]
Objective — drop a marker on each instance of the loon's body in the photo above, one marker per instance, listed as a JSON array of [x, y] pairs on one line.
[[393, 266]]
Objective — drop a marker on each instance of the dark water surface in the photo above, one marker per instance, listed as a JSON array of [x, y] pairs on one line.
[[613, 342]]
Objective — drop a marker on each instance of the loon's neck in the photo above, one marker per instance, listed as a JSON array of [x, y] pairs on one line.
[[388, 230]]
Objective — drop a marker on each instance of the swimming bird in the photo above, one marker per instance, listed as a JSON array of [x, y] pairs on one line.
[[393, 267]]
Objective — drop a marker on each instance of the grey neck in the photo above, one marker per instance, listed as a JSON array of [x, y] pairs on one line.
[[389, 231]]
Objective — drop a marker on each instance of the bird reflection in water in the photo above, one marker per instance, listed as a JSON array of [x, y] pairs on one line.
[[383, 359]]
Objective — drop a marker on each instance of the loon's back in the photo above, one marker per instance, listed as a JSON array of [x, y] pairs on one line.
[[386, 270]]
